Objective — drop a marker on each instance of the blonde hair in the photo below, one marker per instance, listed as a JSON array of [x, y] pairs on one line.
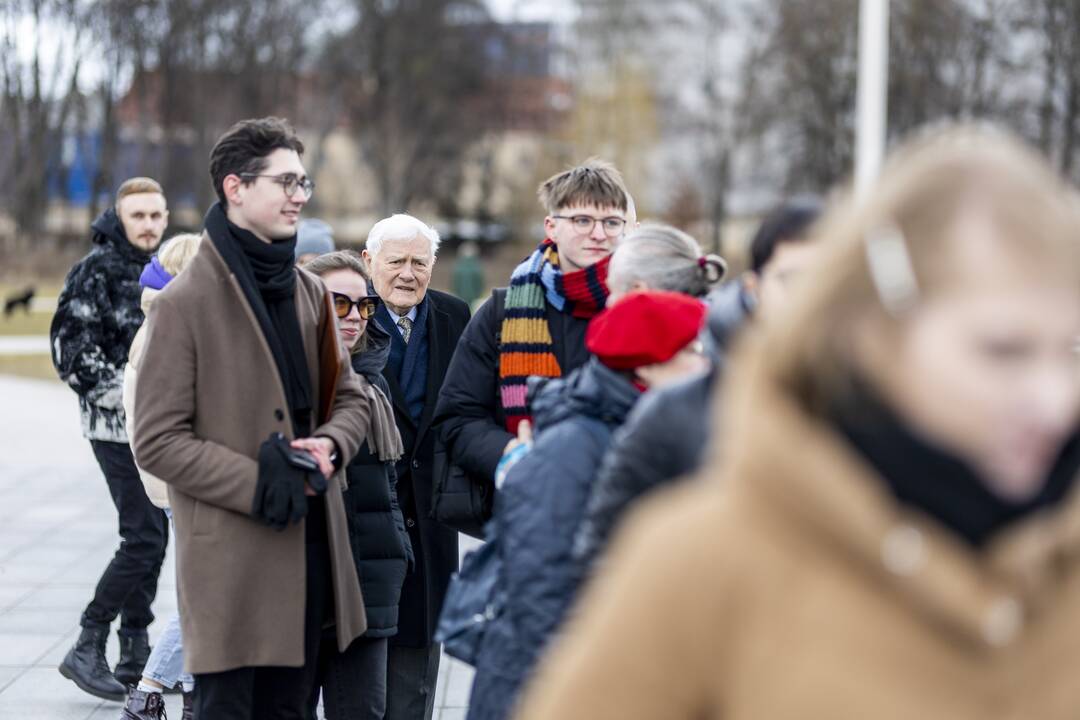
[[178, 251], [137, 185], [923, 189]]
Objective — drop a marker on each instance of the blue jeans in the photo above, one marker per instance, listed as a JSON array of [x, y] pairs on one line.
[[166, 662], [165, 665]]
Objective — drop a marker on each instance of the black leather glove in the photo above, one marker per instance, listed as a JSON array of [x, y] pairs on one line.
[[279, 492]]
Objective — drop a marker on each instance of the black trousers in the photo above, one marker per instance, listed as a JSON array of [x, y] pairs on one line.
[[411, 676], [353, 683], [274, 693], [129, 583]]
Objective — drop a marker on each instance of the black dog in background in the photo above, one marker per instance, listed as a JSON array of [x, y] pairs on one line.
[[22, 300]]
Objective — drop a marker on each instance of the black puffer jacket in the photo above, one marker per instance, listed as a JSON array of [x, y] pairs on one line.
[[377, 533], [97, 316]]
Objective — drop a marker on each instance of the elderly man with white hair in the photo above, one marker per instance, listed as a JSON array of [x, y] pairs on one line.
[[424, 326]]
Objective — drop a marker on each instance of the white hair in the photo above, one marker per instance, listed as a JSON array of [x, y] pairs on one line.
[[400, 227]]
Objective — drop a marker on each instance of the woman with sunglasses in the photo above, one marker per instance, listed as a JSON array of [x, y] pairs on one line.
[[354, 682]]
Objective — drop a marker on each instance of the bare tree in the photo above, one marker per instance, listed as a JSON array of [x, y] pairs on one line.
[[40, 76], [411, 79]]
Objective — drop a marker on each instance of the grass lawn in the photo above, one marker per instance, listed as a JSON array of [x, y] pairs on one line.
[[30, 366], [37, 365], [22, 323]]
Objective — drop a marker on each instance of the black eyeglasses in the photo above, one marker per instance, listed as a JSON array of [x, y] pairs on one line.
[[366, 306], [584, 224], [289, 182]]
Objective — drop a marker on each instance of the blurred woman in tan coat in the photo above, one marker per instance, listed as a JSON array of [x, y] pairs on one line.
[[892, 531]]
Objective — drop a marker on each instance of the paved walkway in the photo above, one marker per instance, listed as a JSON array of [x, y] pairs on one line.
[[57, 533], [24, 344]]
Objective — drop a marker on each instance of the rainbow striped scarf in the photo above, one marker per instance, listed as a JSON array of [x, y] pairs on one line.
[[526, 347]]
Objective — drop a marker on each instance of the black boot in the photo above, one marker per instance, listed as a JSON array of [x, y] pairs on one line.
[[189, 706], [143, 706], [85, 665], [134, 652]]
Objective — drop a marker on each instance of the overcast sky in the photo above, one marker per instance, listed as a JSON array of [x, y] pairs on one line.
[[554, 10]]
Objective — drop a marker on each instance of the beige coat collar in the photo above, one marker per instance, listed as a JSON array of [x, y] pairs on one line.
[[805, 475]]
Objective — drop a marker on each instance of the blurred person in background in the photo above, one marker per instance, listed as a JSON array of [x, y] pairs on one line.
[[353, 682], [647, 340], [424, 326], [468, 279], [534, 327], [664, 437], [164, 668], [314, 237], [892, 532], [97, 316]]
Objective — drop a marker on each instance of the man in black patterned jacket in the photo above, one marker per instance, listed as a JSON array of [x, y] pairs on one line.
[[96, 318]]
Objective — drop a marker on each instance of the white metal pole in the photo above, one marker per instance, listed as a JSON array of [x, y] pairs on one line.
[[872, 92]]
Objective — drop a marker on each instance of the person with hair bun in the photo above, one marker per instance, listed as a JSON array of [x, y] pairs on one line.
[[664, 438], [891, 529], [661, 257]]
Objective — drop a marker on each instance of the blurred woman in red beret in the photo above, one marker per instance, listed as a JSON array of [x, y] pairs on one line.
[[646, 340], [893, 530]]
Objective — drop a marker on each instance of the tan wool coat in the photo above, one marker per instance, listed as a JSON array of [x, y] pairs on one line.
[[794, 586], [156, 490], [208, 395]]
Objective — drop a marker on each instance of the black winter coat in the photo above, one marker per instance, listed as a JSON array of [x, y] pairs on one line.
[[536, 513], [663, 439], [380, 544], [97, 316], [470, 415], [435, 545]]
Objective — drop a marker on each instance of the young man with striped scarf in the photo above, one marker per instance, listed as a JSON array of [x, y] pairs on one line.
[[536, 326]]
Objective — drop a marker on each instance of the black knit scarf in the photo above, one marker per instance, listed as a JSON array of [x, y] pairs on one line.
[[267, 277], [931, 479]]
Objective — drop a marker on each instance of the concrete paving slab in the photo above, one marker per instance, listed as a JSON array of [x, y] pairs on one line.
[[25, 648], [44, 693], [36, 621], [57, 533]]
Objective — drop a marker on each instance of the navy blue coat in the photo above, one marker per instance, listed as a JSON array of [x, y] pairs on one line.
[[536, 514]]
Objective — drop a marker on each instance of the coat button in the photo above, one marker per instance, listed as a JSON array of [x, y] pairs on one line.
[[903, 550], [416, 464], [410, 522], [1002, 621], [279, 415]]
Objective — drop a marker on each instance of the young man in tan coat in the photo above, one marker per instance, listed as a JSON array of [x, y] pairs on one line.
[[242, 383]]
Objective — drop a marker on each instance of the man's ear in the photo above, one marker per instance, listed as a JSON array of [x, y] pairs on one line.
[[231, 187], [549, 225]]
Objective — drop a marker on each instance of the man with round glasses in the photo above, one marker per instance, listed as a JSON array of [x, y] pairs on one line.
[[248, 407], [534, 327]]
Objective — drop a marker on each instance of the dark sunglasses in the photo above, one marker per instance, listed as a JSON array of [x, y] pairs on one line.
[[366, 306]]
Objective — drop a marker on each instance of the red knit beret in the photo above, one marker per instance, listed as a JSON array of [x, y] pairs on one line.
[[644, 328]]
